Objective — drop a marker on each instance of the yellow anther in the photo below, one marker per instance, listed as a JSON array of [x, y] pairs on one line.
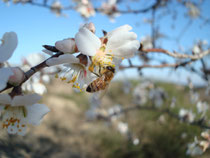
[[63, 78], [56, 75]]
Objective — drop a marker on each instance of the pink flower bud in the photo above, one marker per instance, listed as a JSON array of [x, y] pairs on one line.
[[17, 77], [90, 26], [66, 45]]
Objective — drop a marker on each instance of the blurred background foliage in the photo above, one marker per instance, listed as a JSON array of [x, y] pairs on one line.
[[66, 132]]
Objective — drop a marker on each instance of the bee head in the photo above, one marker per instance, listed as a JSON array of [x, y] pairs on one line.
[[110, 68]]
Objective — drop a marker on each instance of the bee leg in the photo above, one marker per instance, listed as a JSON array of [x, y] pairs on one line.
[[96, 74]]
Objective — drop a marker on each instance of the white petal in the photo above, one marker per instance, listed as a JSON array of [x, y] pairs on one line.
[[39, 88], [35, 59], [5, 99], [124, 28], [66, 45], [28, 99], [66, 58], [5, 73], [9, 43], [36, 112], [127, 50], [120, 39], [87, 43]]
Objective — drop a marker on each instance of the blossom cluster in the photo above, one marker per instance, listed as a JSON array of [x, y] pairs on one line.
[[96, 56]]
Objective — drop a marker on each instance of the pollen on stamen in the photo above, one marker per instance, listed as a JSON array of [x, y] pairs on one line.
[[56, 75], [63, 78]]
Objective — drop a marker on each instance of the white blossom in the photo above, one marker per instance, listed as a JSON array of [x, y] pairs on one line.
[[56, 7], [186, 115], [202, 107], [193, 10], [85, 8], [109, 8], [147, 42], [122, 127], [19, 111], [7, 47], [9, 43]]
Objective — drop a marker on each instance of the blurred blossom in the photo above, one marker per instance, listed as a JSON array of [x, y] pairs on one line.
[[56, 8], [109, 8], [95, 103], [173, 102], [200, 46], [85, 8], [205, 144], [193, 10], [33, 59], [186, 115], [140, 95], [157, 95], [146, 41], [36, 83], [114, 112], [122, 127], [135, 141], [126, 86], [162, 119], [8, 44], [194, 96], [193, 149], [202, 107], [183, 135], [19, 111]]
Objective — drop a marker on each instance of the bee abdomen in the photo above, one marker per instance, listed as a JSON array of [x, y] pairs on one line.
[[96, 86]]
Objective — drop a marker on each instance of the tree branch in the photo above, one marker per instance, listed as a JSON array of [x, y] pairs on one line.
[[178, 55]]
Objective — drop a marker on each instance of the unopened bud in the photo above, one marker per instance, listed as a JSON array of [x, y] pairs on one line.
[[90, 26], [66, 45], [17, 77]]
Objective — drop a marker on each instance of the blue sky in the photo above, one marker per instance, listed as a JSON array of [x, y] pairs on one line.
[[36, 26]]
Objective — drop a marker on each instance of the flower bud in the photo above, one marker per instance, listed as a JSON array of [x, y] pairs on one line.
[[17, 77], [90, 26], [66, 45]]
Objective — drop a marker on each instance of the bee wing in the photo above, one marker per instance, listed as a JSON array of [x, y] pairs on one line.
[[102, 93]]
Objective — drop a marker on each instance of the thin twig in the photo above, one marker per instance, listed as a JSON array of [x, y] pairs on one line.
[[178, 55]]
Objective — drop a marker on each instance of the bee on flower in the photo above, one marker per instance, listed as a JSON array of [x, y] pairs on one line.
[[100, 58]]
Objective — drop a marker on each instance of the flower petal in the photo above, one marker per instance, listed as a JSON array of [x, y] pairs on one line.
[[36, 112], [39, 88], [124, 28], [5, 99], [87, 43], [5, 73], [28, 99], [66, 58], [9, 44], [127, 50], [120, 39]]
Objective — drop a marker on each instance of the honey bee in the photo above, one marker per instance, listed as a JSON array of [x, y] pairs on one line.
[[102, 82]]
